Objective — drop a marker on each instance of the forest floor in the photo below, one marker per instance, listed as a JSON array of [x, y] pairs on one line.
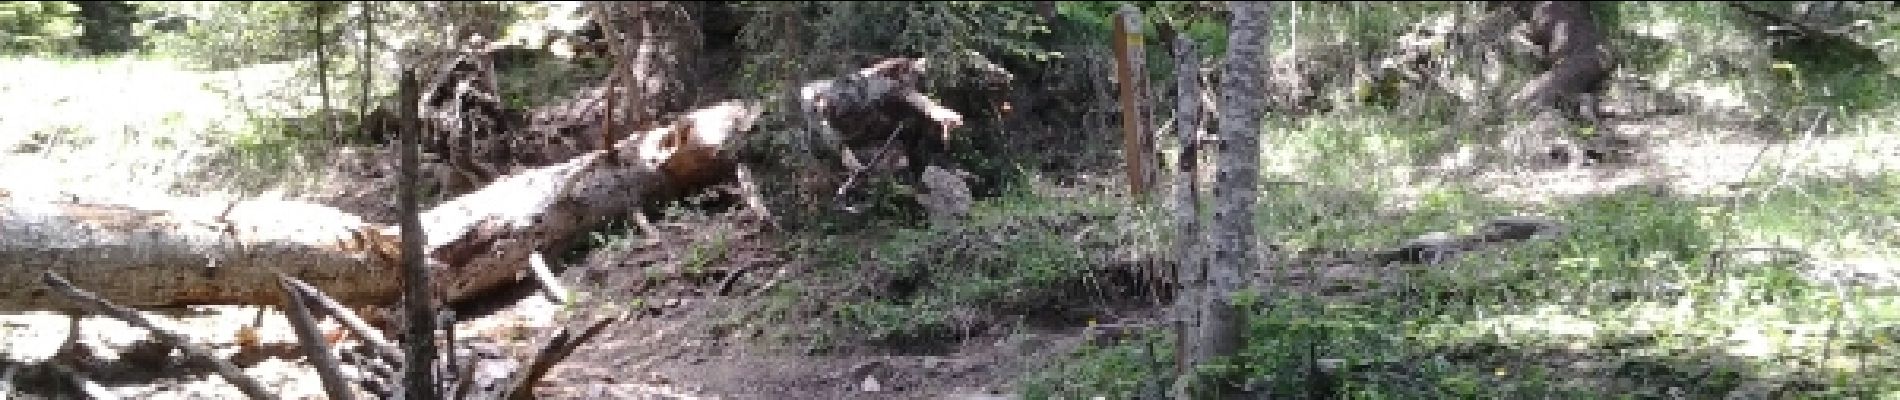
[[1718, 176], [197, 141]]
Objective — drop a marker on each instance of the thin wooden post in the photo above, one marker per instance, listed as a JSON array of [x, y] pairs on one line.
[[419, 312], [1137, 145]]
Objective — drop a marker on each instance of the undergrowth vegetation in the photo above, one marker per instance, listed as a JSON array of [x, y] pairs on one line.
[[1779, 287], [1635, 299], [1019, 260], [1780, 284]]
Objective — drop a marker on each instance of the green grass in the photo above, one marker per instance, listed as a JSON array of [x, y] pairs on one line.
[[1016, 256], [1628, 286], [1630, 302], [1854, 214], [1625, 303], [137, 124]]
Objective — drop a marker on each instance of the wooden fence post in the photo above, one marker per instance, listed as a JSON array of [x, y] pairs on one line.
[[1137, 140]]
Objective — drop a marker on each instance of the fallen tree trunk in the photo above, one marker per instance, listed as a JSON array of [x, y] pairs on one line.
[[192, 252], [179, 252]]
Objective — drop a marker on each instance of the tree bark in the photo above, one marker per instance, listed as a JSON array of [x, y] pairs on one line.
[[653, 43], [418, 305], [324, 116], [1189, 270], [191, 251], [1236, 190], [367, 72]]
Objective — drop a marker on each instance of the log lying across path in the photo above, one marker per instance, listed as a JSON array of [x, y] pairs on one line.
[[178, 252], [190, 252]]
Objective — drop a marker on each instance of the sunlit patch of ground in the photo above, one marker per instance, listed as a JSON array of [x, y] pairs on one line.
[[123, 129], [1786, 270], [34, 337]]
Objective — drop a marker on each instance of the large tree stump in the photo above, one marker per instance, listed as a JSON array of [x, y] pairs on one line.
[[1570, 41]]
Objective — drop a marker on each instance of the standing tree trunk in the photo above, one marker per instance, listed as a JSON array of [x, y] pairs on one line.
[[1242, 87], [321, 14], [363, 107], [419, 312], [653, 44], [1189, 268], [106, 26]]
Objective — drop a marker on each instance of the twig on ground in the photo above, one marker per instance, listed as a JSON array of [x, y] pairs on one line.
[[876, 158], [732, 276], [446, 320], [93, 303], [556, 348], [770, 283], [377, 374]]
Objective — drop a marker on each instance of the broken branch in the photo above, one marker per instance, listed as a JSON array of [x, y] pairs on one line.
[[313, 344], [558, 346], [93, 303], [374, 338]]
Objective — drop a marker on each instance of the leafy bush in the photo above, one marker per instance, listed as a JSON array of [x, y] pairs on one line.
[[37, 27]]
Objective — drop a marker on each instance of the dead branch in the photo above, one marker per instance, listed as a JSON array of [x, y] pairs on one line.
[[92, 389], [93, 303], [559, 344], [851, 180], [370, 335], [464, 380], [314, 346]]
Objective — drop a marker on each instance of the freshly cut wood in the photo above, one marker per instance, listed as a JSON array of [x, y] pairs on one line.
[[194, 251], [482, 239]]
